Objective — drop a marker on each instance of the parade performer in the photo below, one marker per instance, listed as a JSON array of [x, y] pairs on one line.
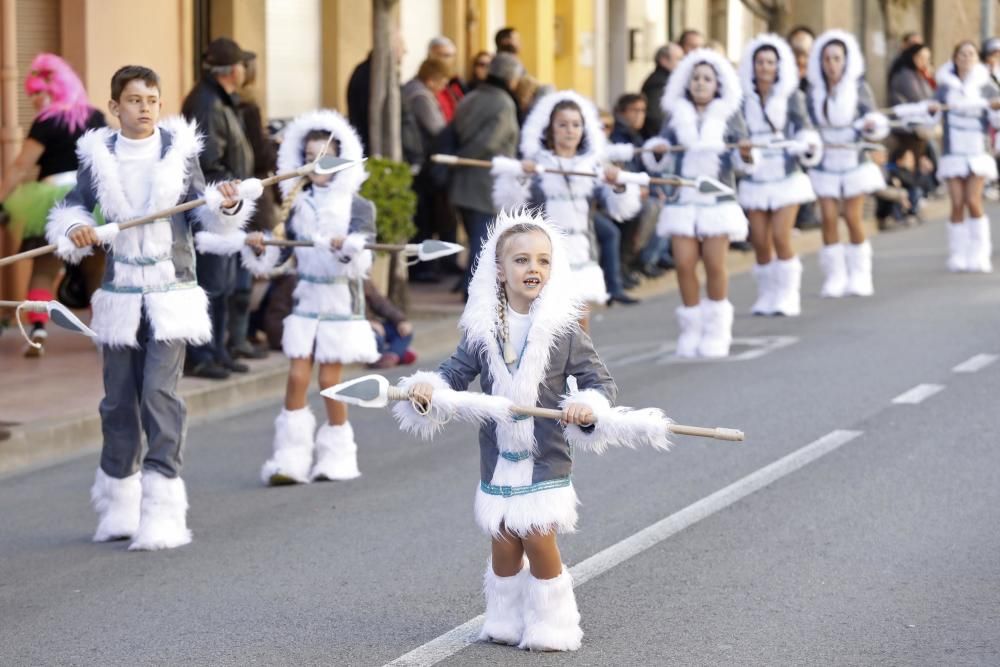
[[701, 104], [966, 161], [328, 324], [842, 107], [149, 306], [774, 109], [563, 132], [63, 115], [522, 338]]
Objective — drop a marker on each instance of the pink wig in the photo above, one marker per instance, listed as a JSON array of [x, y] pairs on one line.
[[68, 102]]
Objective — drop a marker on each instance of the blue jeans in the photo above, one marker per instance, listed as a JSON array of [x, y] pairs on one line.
[[217, 276], [609, 242], [392, 341], [476, 225]]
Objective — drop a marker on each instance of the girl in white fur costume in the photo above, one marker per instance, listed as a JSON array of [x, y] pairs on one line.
[[327, 324], [563, 132], [702, 105], [843, 109], [775, 110], [966, 161], [522, 338]]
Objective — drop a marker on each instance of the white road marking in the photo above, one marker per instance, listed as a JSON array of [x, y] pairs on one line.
[[976, 363], [663, 353], [457, 639], [918, 394]]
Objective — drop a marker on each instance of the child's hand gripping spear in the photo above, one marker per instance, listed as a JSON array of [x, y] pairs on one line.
[[326, 164], [625, 426]]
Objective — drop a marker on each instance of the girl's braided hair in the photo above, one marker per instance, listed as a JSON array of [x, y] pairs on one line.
[[289, 200]]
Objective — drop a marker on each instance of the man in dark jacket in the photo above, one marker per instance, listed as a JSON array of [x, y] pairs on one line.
[[227, 156], [666, 59]]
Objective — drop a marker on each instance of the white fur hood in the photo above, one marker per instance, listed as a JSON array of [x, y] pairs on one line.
[[533, 132], [776, 106], [290, 154]]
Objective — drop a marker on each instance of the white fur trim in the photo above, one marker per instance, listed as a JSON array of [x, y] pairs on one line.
[[716, 328], [730, 94], [538, 512], [787, 275], [359, 260], [960, 166], [649, 160], [970, 87], [503, 622], [290, 154], [447, 404], [336, 453], [533, 130], [623, 205], [880, 126], [163, 517], [863, 179], [329, 341], [763, 275], [116, 502], [510, 192], [616, 426], [116, 317], [704, 135], [551, 617], [220, 244], [980, 245], [813, 153], [180, 314], [772, 195], [632, 178], [858, 259], [776, 106], [958, 246], [260, 265], [588, 281], [843, 107], [61, 220], [292, 446], [689, 324], [620, 152], [214, 218], [700, 222], [506, 166]]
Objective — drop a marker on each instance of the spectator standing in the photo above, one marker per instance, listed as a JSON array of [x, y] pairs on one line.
[[690, 40], [442, 49], [478, 70], [665, 59], [508, 40]]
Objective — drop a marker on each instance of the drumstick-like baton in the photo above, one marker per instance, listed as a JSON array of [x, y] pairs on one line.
[[374, 391]]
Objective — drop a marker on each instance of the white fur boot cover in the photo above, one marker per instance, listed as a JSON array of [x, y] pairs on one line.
[[859, 269], [551, 619], [958, 246], [116, 502], [163, 520], [763, 275], [504, 623], [716, 328], [834, 265], [980, 245], [689, 321], [336, 453], [788, 287], [293, 448]]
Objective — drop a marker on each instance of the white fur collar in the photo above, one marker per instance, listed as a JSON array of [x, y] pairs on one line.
[[533, 131], [554, 313], [843, 105], [776, 106], [290, 153], [709, 133], [971, 87], [169, 179]]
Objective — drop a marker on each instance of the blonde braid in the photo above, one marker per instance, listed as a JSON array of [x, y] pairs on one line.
[[509, 354], [286, 204]]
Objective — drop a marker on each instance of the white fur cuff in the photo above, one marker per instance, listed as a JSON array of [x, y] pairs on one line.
[[619, 426], [220, 244], [620, 152], [880, 126], [740, 165], [649, 159], [506, 166], [353, 244], [447, 404], [811, 153], [260, 265], [510, 191], [62, 219], [623, 205], [631, 177], [214, 219]]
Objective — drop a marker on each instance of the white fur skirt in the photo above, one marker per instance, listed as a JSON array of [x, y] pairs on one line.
[[179, 314], [960, 166], [539, 511], [862, 180], [588, 279], [772, 195], [329, 341], [701, 221]]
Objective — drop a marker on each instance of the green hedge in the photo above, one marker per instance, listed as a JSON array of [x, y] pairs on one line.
[[388, 187]]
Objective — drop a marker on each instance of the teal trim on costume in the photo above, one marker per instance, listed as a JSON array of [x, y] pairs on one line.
[[327, 317], [516, 456], [117, 289], [508, 491], [142, 261], [324, 280]]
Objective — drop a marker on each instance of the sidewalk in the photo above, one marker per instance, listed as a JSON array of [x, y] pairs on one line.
[[48, 406]]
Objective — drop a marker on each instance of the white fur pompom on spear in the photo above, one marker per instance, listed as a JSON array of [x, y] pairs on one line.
[[622, 426]]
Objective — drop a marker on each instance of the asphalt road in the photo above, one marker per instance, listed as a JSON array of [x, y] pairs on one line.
[[885, 550]]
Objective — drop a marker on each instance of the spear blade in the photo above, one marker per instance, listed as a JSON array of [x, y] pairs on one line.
[[369, 391]]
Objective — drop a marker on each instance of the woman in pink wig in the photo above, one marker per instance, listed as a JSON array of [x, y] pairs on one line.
[[63, 116]]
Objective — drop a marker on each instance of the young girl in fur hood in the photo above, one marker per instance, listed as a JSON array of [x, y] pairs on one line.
[[522, 338], [843, 108], [702, 104], [563, 132], [328, 324], [775, 110], [966, 161]]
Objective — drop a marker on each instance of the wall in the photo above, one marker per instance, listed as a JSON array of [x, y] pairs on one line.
[[420, 22], [292, 57]]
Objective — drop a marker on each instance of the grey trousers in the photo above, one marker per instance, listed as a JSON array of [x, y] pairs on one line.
[[140, 396]]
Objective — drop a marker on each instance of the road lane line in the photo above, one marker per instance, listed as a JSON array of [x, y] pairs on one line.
[[918, 394], [976, 363], [458, 638]]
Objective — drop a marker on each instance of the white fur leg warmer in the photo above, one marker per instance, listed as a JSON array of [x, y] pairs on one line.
[[504, 622], [618, 426], [551, 618], [446, 405], [336, 454], [293, 448], [116, 502], [163, 518]]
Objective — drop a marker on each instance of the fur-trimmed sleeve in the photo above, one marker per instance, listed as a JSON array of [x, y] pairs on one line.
[[73, 211], [623, 205], [356, 259], [736, 131], [211, 216], [652, 163], [511, 186]]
